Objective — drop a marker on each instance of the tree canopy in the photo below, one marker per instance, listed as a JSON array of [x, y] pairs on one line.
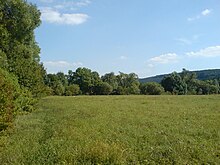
[[21, 71]]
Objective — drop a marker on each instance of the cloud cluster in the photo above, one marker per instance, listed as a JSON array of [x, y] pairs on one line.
[[52, 16], [61, 64], [169, 58], [165, 58], [213, 51], [203, 13], [60, 12], [206, 12]]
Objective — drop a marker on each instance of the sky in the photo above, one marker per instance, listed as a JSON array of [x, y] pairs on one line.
[[147, 37]]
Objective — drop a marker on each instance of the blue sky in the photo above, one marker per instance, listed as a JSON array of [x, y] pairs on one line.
[[148, 37]]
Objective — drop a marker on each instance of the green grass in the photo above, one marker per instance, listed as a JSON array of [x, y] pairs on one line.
[[116, 130]]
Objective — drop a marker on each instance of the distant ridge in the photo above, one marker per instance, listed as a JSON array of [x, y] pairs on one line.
[[201, 75]]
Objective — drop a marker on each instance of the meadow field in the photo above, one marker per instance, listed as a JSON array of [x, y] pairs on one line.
[[116, 130]]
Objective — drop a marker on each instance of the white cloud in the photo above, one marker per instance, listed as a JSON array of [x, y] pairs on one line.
[[61, 64], [171, 58], [205, 12], [213, 51], [52, 16], [193, 18], [164, 59]]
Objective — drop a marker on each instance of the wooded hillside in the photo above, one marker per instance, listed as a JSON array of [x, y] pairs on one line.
[[201, 75]]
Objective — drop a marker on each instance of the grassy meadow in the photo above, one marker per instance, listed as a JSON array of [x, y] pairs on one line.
[[116, 130]]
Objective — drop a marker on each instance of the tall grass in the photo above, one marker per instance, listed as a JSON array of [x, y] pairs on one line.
[[117, 130]]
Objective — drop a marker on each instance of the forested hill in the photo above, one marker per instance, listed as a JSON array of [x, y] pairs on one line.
[[201, 75]]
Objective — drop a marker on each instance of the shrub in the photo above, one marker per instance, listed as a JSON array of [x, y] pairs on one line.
[[25, 101], [72, 90], [104, 89], [13, 99], [151, 88], [9, 93], [58, 88]]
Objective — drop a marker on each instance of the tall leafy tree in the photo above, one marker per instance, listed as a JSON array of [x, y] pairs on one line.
[[21, 74], [18, 47], [111, 79], [128, 83], [174, 84], [86, 79], [189, 78], [55, 83], [62, 78]]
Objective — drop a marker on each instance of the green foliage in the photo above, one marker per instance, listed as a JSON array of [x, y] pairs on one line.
[[200, 75], [186, 81], [203, 87], [58, 89], [21, 74], [72, 90], [111, 79], [62, 78], [3, 60], [151, 88], [25, 102], [128, 84], [174, 83], [18, 46], [86, 79], [30, 76], [13, 99], [8, 95], [103, 89], [55, 83], [117, 130]]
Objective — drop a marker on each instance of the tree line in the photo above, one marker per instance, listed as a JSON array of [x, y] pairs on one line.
[[187, 83], [87, 82]]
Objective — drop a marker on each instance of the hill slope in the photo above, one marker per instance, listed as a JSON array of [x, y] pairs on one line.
[[201, 75]]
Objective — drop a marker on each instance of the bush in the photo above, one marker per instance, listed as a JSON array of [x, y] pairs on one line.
[[72, 90], [9, 93], [58, 88], [103, 89], [25, 101], [13, 99], [151, 88]]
